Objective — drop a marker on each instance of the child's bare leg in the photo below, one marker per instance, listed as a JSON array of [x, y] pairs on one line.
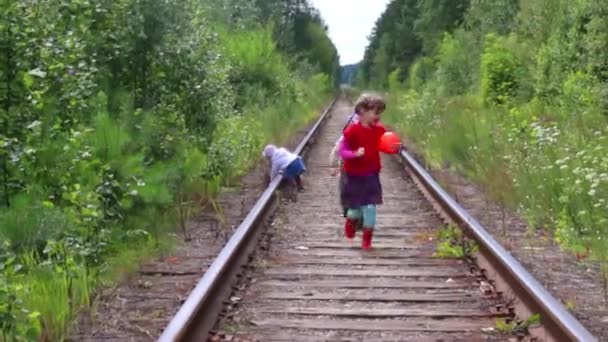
[[299, 184], [369, 222]]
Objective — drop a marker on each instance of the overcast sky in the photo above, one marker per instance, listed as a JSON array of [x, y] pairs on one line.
[[350, 22]]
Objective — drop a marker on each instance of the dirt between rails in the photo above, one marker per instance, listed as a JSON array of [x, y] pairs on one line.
[[577, 284], [141, 306]]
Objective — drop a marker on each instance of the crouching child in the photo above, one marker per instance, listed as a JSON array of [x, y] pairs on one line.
[[286, 163]]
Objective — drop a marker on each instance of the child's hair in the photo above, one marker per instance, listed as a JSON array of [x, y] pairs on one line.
[[369, 102], [269, 151]]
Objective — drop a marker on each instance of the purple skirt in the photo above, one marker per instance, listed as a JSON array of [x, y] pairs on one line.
[[358, 191]]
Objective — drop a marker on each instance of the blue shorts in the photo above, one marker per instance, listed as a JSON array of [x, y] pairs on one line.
[[295, 168]]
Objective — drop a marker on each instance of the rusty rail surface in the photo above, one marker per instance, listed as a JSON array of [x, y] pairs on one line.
[[198, 314], [557, 322]]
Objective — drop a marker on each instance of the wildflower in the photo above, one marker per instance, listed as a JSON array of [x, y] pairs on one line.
[[37, 72], [35, 124]]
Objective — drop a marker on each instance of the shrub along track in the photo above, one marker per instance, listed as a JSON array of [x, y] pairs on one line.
[[308, 283], [140, 307]]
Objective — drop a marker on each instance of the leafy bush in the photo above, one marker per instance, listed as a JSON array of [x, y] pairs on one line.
[[30, 224], [259, 70], [456, 64], [499, 67], [421, 72]]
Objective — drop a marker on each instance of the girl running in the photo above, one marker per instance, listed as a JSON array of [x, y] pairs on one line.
[[362, 191]]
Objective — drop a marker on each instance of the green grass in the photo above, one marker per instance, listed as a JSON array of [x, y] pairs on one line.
[[451, 244], [533, 158], [56, 300]]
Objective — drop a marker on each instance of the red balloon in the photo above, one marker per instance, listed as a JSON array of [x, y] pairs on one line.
[[389, 143]]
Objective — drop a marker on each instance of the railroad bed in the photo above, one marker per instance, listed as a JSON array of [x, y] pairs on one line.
[[292, 276], [311, 284]]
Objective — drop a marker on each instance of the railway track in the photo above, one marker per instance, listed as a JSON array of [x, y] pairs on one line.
[[288, 274]]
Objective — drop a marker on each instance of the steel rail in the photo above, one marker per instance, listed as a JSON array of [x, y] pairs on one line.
[[556, 320], [198, 314]]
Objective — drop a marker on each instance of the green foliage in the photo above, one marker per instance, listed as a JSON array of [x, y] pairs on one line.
[[512, 327], [30, 223], [393, 44], [451, 244], [455, 64], [258, 69], [119, 119], [437, 17], [321, 51], [485, 16], [514, 98], [299, 31], [394, 83], [17, 323], [421, 72], [499, 81]]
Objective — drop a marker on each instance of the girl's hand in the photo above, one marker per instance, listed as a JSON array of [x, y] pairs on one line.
[[360, 152], [334, 171]]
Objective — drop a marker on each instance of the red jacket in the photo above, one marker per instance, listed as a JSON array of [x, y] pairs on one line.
[[368, 137]]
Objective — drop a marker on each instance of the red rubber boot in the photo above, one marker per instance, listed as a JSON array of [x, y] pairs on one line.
[[350, 227], [366, 243]]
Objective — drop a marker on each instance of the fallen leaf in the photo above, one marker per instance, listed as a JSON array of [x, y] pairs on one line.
[[173, 260]]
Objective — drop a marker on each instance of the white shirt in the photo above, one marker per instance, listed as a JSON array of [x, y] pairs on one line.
[[280, 159]]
